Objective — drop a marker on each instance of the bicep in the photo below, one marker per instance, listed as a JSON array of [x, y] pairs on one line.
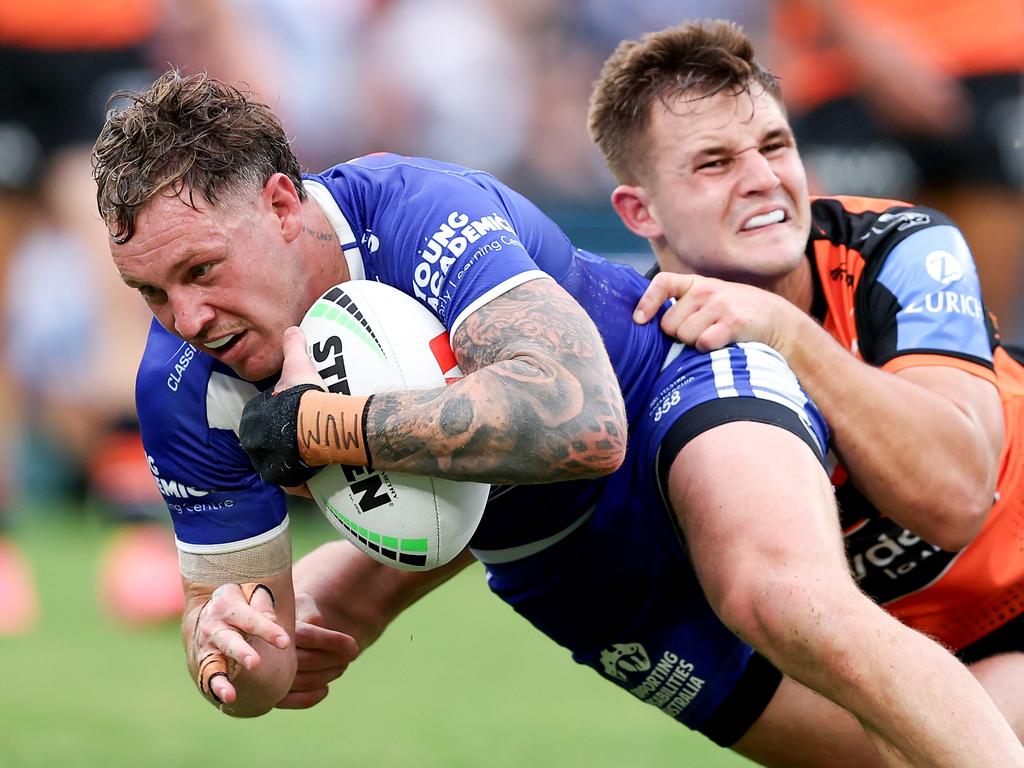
[[538, 320], [977, 398], [750, 497]]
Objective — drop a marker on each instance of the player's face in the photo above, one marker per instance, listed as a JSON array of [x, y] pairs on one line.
[[227, 279], [728, 192]]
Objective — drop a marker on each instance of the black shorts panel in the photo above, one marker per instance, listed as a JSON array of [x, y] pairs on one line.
[[745, 704]]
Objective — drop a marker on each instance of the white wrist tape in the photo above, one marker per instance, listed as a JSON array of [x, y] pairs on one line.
[[252, 564]]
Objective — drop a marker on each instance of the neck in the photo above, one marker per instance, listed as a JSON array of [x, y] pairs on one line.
[[326, 261], [797, 287]]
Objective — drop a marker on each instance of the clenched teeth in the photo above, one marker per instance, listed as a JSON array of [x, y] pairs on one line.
[[772, 217], [219, 342]]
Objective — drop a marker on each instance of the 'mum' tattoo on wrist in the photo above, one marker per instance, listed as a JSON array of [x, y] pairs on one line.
[[324, 236]]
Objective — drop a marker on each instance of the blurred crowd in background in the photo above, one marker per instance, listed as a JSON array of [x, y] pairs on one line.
[[893, 99]]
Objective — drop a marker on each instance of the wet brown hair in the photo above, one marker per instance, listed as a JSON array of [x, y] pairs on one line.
[[694, 60], [185, 133]]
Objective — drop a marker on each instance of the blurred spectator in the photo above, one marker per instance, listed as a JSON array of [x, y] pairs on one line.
[[305, 57], [72, 337], [917, 100], [447, 79]]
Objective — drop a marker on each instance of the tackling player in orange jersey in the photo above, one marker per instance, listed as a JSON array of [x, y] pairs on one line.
[[876, 306]]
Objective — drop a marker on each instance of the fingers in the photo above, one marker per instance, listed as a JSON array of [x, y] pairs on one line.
[[303, 699], [233, 614], [252, 614], [212, 678], [323, 655], [325, 659], [664, 286], [297, 368], [321, 648]]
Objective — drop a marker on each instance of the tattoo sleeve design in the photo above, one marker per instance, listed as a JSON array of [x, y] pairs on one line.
[[540, 401]]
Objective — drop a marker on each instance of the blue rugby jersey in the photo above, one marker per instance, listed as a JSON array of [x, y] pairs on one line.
[[455, 239]]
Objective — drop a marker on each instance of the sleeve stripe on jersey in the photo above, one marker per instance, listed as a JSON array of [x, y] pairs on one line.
[[226, 397], [752, 369], [714, 413], [498, 556], [918, 357], [232, 546], [495, 292], [346, 237], [727, 383]]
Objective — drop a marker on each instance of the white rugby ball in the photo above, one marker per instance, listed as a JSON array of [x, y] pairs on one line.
[[366, 337]]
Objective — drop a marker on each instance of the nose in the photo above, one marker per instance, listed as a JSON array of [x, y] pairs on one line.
[[757, 174], [189, 313]]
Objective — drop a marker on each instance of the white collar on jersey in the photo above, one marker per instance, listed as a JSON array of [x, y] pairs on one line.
[[346, 237]]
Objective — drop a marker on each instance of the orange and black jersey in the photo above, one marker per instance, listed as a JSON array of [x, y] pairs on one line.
[[896, 285]]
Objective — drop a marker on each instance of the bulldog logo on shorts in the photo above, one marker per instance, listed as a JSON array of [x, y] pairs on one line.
[[624, 657]]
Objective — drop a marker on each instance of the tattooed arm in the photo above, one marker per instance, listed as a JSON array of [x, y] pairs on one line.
[[540, 401]]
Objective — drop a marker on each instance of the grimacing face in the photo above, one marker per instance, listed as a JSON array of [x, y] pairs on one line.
[[226, 279], [726, 193]]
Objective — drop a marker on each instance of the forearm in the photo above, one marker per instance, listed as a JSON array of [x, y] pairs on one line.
[[805, 613], [899, 440], [540, 402], [360, 596], [891, 678], [503, 424]]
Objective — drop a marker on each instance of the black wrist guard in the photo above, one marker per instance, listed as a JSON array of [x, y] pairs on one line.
[[269, 434]]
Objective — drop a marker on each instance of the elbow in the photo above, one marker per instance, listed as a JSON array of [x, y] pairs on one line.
[[752, 609], [613, 454], [605, 447], [615, 429], [959, 518]]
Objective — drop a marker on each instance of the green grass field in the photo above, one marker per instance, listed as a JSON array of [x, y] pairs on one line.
[[459, 680]]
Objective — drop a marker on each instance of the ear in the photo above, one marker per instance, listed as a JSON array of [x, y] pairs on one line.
[[281, 199], [633, 204]]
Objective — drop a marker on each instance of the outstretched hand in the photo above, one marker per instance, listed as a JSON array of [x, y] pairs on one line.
[[225, 624], [709, 314], [323, 656]]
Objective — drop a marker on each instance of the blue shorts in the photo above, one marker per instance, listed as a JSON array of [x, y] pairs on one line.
[[630, 607], [616, 586]]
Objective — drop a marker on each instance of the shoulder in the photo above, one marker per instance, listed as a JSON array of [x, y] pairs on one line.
[[182, 394], [867, 224], [166, 365], [391, 172]]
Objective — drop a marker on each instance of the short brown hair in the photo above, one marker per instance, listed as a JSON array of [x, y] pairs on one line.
[[191, 133], [700, 58]]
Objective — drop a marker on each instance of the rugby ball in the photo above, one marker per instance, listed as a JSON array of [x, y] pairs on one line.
[[365, 337]]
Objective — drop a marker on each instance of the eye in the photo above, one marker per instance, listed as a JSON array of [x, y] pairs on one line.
[[712, 165], [152, 295], [200, 270], [775, 146]]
